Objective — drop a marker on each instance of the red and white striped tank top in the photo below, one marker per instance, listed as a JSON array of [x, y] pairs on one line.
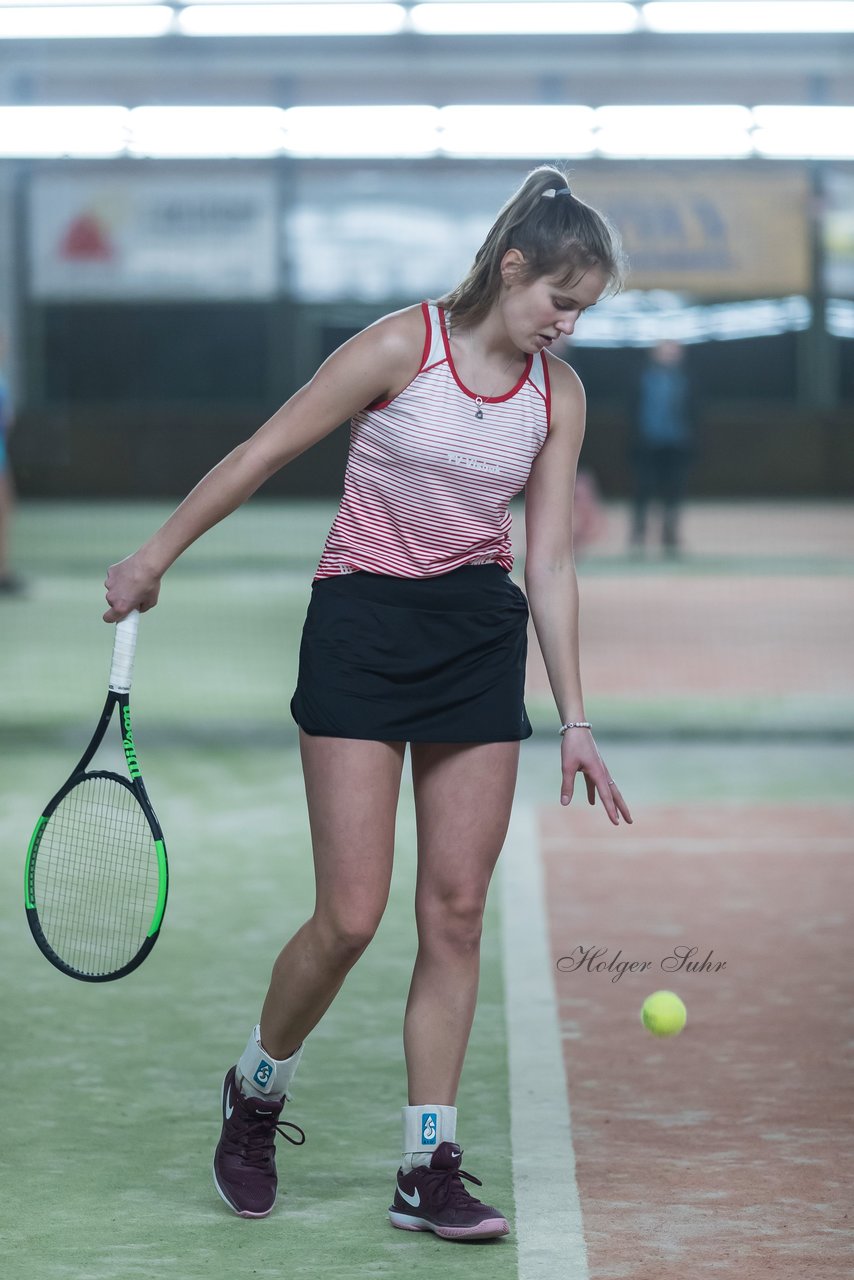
[[427, 482]]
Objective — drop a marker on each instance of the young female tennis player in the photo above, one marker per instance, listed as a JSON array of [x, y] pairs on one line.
[[416, 634]]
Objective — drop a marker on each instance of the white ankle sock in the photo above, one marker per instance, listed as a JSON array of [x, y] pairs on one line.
[[424, 1128], [263, 1076]]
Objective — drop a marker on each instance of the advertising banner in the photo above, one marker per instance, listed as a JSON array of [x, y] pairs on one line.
[[839, 234], [712, 233], [152, 235]]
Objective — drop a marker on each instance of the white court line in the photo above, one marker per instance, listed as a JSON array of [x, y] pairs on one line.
[[549, 1234]]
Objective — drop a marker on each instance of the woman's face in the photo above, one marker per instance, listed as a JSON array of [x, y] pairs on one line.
[[538, 312]]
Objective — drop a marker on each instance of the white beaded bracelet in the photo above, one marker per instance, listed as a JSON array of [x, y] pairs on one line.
[[575, 724]]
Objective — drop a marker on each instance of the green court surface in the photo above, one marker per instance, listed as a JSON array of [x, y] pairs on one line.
[[112, 1102]]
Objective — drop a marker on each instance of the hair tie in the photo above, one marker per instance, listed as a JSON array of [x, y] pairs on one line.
[[562, 191]]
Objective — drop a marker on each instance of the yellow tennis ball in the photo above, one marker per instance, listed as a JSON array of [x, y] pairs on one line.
[[663, 1013]]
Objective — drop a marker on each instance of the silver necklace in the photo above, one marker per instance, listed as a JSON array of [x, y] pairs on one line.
[[478, 400]]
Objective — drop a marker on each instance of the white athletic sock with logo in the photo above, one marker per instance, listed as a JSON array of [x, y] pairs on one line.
[[262, 1076], [423, 1129]]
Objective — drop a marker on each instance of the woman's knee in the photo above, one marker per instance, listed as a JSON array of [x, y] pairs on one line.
[[452, 920], [345, 933]]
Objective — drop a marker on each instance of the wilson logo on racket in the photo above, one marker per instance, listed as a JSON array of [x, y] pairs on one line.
[[127, 743], [96, 876]]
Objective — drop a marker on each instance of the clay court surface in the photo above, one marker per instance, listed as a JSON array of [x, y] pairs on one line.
[[726, 1151], [752, 622], [729, 1150], [722, 692]]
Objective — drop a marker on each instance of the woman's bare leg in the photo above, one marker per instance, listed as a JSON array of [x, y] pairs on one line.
[[463, 798], [352, 789]]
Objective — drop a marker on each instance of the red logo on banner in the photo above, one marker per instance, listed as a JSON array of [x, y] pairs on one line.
[[86, 239]]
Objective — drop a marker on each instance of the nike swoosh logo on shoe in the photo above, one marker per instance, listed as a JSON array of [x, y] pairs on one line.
[[229, 1109], [413, 1200]]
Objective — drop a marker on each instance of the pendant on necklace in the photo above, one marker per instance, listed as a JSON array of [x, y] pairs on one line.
[[478, 401]]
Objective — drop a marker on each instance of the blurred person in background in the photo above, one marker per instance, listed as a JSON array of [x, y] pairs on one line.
[[10, 583], [589, 521], [663, 432]]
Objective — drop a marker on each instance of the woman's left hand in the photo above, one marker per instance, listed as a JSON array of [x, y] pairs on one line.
[[579, 754]]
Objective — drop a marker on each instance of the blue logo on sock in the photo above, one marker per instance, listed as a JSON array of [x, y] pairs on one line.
[[428, 1128], [264, 1074]]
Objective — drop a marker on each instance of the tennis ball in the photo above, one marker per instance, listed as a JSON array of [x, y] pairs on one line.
[[663, 1013]]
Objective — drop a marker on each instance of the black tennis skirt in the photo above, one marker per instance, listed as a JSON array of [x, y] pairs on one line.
[[415, 659]]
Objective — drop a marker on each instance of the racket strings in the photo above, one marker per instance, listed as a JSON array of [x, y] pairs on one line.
[[97, 877]]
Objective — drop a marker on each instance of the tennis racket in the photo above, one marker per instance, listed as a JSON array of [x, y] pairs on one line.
[[96, 874]]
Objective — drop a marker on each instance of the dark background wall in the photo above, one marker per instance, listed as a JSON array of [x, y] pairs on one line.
[[141, 400]]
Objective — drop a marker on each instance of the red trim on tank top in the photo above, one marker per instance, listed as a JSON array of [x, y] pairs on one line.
[[425, 351], [548, 384], [472, 395]]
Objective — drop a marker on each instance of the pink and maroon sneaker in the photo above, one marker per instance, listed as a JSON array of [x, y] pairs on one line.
[[433, 1198], [244, 1166]]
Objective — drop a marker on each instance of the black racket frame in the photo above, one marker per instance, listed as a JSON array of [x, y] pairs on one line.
[[136, 786]]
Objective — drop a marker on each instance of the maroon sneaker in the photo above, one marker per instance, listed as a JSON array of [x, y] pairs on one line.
[[433, 1198], [244, 1166]]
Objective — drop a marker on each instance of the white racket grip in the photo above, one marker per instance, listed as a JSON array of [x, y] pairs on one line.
[[124, 647]]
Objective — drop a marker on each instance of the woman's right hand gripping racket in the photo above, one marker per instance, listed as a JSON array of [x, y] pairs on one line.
[[96, 874]]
